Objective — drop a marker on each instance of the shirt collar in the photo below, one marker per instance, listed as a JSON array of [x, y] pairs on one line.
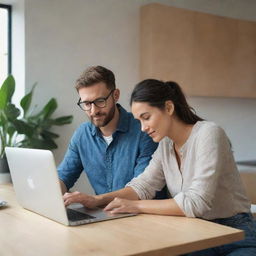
[[122, 125], [123, 122]]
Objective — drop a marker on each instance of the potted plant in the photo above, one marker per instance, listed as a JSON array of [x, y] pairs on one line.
[[26, 128]]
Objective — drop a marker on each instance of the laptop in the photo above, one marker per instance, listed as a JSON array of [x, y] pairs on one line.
[[36, 185]]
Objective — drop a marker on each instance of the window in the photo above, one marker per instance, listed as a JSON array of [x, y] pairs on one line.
[[5, 41]]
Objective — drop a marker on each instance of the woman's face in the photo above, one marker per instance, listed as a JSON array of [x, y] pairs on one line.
[[154, 121]]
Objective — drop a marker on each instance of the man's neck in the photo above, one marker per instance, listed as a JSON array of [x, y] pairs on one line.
[[110, 128]]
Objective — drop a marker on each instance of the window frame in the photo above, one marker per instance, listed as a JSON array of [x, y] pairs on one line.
[[9, 36]]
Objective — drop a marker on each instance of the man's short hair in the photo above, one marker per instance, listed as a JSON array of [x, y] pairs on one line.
[[96, 74]]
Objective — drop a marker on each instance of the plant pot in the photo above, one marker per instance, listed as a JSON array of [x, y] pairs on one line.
[[4, 167], [5, 176]]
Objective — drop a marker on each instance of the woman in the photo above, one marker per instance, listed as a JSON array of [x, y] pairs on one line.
[[195, 161]]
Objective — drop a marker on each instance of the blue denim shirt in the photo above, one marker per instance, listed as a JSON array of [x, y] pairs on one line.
[[108, 167]]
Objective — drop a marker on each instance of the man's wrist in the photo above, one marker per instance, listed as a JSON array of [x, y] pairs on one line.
[[100, 201]]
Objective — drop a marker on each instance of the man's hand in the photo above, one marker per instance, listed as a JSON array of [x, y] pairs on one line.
[[119, 205], [77, 197]]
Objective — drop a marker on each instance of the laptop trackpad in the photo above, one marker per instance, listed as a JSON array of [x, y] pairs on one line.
[[74, 215]]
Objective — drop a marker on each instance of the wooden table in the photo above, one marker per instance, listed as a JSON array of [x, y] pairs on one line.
[[23, 233]]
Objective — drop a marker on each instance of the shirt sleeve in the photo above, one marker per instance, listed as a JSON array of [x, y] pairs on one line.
[[211, 150], [71, 167], [151, 180], [146, 149]]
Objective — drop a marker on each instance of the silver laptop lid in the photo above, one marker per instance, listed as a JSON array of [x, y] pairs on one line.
[[36, 183]]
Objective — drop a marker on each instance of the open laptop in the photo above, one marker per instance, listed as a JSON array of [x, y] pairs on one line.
[[37, 188]]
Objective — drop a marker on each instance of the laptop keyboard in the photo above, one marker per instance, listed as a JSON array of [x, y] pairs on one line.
[[76, 216]]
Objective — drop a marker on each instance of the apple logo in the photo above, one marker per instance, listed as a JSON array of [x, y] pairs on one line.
[[31, 183]]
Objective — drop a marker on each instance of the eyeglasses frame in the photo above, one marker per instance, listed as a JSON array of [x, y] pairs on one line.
[[93, 102]]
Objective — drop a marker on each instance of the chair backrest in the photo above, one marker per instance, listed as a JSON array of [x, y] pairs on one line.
[[249, 179]]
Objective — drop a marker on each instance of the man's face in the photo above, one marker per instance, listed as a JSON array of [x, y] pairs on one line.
[[100, 117]]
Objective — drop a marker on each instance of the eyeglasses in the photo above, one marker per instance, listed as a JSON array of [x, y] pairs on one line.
[[100, 103]]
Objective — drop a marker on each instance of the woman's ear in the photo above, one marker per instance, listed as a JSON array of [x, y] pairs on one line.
[[169, 106], [116, 95]]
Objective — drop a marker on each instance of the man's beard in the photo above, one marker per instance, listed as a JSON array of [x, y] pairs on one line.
[[104, 121]]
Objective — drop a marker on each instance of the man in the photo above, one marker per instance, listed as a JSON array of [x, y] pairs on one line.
[[111, 149]]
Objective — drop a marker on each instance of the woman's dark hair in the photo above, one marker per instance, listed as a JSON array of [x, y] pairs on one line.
[[156, 93]]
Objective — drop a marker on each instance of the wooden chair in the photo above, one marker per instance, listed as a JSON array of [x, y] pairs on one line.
[[249, 181]]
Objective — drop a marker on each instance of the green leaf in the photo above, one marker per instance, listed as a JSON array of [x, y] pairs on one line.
[[6, 91], [11, 130], [24, 128], [49, 108], [50, 135], [3, 119], [62, 120], [26, 101], [50, 144], [11, 112]]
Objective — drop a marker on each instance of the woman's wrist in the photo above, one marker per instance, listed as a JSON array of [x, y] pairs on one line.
[[138, 206]]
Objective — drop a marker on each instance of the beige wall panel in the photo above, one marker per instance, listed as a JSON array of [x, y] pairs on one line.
[[207, 55]]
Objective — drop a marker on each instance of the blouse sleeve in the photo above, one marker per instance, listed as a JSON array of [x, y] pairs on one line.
[[211, 150], [151, 180]]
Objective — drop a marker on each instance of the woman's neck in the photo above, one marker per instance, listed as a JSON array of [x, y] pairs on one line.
[[179, 133]]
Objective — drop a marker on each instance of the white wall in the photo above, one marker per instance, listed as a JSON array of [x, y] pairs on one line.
[[63, 37]]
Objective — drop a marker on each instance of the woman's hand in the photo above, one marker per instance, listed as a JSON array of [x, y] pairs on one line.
[[78, 197], [119, 205]]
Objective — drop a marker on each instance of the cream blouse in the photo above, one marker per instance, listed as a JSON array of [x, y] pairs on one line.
[[207, 185]]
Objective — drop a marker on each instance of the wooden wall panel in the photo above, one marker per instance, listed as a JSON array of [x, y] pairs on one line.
[[207, 55]]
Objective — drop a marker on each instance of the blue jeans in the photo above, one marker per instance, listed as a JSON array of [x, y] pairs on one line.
[[246, 247]]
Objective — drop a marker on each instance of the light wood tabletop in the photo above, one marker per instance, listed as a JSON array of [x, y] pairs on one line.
[[24, 233]]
